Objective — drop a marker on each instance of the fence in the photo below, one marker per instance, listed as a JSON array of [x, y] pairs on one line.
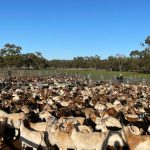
[[59, 73]]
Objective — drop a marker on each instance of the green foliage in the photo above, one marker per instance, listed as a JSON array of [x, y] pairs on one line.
[[10, 49], [139, 61]]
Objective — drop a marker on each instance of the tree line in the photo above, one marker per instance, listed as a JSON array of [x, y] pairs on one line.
[[138, 61]]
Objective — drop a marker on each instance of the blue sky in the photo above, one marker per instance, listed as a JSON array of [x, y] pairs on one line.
[[63, 29]]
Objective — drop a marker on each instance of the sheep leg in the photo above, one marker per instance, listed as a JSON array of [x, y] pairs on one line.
[[43, 143], [23, 146]]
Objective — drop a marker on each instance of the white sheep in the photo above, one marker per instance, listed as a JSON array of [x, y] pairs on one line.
[[59, 138], [88, 141], [39, 126], [44, 115], [31, 138], [13, 117], [71, 119], [109, 121]]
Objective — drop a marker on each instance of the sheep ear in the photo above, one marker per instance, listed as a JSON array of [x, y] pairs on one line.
[[75, 122], [69, 127], [56, 127]]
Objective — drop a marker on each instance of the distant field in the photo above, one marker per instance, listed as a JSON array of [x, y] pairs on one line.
[[93, 74], [99, 73]]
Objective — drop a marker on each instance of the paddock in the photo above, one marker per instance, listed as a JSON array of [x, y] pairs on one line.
[[60, 99]]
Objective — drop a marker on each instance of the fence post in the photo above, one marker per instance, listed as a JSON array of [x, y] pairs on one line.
[[144, 81], [127, 81]]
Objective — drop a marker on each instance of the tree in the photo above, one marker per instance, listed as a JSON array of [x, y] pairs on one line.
[[38, 54], [135, 54], [147, 41], [112, 63], [121, 60], [10, 49], [1, 61]]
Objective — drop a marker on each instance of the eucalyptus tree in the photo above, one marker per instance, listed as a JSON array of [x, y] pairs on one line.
[[38, 54], [147, 41], [11, 49], [135, 54], [121, 60], [112, 63], [145, 57]]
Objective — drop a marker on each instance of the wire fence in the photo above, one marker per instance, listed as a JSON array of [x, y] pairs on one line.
[[6, 73]]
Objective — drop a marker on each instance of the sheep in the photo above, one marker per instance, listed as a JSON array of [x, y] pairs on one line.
[[8, 129], [13, 117], [25, 109], [136, 121], [97, 102], [136, 142], [31, 138], [99, 107], [109, 122], [39, 126], [148, 130], [88, 111], [92, 140], [114, 138], [2, 113], [135, 130], [69, 127], [85, 129], [71, 119], [2, 129], [44, 115], [42, 126], [112, 122], [132, 118], [59, 138]]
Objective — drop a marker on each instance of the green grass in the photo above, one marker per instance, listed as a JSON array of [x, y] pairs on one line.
[[99, 73], [94, 74]]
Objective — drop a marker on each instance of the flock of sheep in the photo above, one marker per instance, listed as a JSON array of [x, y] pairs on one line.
[[74, 113]]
